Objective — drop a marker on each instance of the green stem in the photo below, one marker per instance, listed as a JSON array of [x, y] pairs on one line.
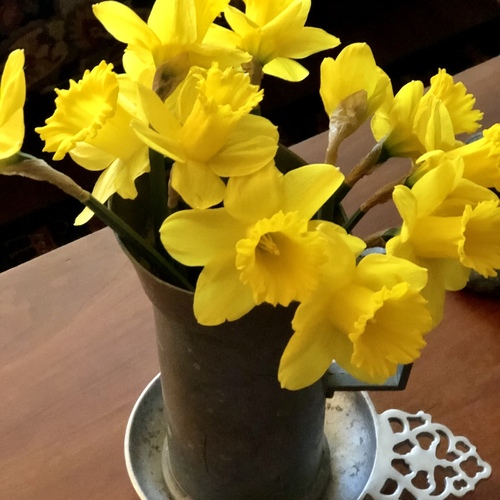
[[341, 193], [332, 209], [354, 219], [159, 197], [287, 160]]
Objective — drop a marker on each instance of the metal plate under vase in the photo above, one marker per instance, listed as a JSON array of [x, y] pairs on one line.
[[350, 427]]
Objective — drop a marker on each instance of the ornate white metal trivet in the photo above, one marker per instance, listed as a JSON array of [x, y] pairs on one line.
[[422, 458]]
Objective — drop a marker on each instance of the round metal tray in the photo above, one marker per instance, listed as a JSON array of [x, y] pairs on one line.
[[350, 427]]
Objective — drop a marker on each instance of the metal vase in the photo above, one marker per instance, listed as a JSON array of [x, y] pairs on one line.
[[232, 432]]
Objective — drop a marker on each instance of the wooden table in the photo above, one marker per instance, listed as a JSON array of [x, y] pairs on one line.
[[77, 347]]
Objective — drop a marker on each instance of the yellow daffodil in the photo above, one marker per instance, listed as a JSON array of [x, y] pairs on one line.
[[481, 159], [394, 121], [352, 88], [457, 101], [206, 127], [368, 318], [12, 97], [410, 126], [352, 71], [172, 38], [415, 123], [92, 124], [450, 225], [258, 247], [274, 34]]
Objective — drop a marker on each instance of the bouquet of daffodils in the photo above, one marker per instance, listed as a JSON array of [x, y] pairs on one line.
[[256, 222]]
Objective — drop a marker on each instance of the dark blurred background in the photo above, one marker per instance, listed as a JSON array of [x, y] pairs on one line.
[[61, 38]]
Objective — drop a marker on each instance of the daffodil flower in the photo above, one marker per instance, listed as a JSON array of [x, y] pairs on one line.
[[409, 127], [394, 121], [206, 127], [171, 38], [368, 317], [353, 70], [92, 124], [258, 247], [450, 226], [274, 33], [415, 123], [12, 97], [457, 101], [481, 159], [352, 88]]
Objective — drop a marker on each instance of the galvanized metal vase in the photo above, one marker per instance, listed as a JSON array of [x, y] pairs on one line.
[[232, 432]]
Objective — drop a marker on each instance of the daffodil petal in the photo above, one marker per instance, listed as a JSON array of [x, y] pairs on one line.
[[394, 121], [84, 216], [442, 275], [219, 35], [12, 87], [124, 24], [407, 206], [433, 188], [226, 56], [207, 11], [342, 250], [433, 126], [292, 17], [407, 99], [103, 189], [121, 180], [378, 270], [251, 145], [238, 22], [442, 272], [127, 171], [12, 134], [307, 188], [90, 157], [465, 193], [139, 65], [311, 349], [164, 144], [173, 21], [452, 273], [158, 115], [129, 97], [220, 296], [278, 12], [308, 41], [198, 185], [256, 196], [287, 69], [195, 237]]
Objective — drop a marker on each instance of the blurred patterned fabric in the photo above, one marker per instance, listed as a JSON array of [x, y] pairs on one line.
[[61, 39]]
